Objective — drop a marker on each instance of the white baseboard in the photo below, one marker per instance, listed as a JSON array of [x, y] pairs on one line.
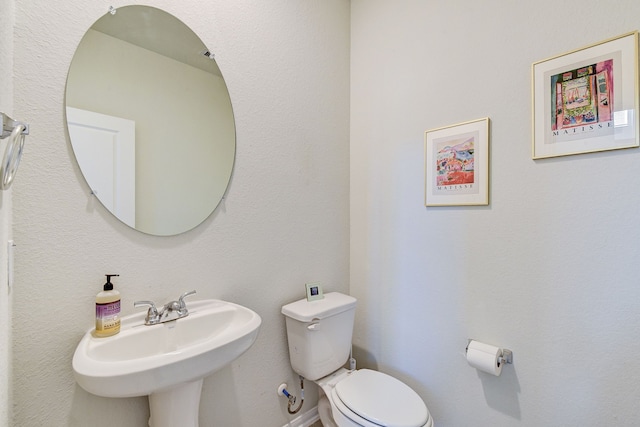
[[306, 419]]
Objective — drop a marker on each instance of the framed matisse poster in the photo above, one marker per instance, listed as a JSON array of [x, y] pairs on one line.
[[457, 164], [587, 100]]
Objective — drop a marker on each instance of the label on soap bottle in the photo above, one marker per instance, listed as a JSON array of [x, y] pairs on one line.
[[108, 317]]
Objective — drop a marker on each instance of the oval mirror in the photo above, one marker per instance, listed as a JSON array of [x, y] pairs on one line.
[[150, 120]]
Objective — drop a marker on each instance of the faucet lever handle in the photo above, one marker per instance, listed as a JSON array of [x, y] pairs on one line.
[[152, 306], [183, 296], [152, 314]]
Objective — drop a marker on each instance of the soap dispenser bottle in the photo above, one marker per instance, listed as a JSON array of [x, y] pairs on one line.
[[108, 310]]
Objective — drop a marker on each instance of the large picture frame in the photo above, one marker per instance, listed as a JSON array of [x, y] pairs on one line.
[[457, 164], [586, 100]]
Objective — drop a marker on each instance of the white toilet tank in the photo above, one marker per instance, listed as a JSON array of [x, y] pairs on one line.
[[319, 334]]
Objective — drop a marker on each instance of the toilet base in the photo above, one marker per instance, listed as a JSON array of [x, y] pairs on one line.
[[324, 410]]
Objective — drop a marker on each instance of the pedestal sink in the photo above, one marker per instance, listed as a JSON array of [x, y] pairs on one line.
[[167, 361]]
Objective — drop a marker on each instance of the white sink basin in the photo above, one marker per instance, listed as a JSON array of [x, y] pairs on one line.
[[143, 360]]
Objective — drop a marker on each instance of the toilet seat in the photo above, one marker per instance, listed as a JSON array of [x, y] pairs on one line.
[[373, 399]]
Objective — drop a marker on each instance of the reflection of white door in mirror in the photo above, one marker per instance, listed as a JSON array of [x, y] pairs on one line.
[[105, 146]]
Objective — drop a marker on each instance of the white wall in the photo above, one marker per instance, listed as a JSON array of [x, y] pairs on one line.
[[550, 269], [6, 106], [284, 221]]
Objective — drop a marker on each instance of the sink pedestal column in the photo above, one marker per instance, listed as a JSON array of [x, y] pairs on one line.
[[177, 406]]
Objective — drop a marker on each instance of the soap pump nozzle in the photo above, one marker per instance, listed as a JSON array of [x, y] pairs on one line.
[[109, 286]]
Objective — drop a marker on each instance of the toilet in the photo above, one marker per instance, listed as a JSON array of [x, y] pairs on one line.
[[319, 334]]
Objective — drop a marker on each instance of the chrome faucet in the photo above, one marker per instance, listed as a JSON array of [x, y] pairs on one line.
[[170, 311]]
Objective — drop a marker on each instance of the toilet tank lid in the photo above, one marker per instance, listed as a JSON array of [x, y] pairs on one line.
[[332, 304]]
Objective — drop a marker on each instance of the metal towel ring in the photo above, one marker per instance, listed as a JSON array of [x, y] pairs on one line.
[[12, 156]]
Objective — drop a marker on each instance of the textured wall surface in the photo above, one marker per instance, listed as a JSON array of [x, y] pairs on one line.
[[6, 106], [284, 221], [550, 269]]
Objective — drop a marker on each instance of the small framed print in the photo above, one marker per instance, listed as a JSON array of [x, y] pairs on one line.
[[456, 161], [586, 100], [314, 291]]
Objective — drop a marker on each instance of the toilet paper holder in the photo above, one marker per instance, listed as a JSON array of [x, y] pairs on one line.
[[505, 358]]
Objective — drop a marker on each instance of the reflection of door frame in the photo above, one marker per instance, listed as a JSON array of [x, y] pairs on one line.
[[105, 149]]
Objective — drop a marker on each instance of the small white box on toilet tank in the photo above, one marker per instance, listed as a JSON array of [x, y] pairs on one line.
[[319, 334]]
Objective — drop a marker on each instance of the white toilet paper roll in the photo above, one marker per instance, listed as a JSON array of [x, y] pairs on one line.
[[484, 357]]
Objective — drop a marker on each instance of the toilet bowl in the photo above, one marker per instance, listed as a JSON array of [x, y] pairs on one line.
[[366, 398], [319, 335]]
